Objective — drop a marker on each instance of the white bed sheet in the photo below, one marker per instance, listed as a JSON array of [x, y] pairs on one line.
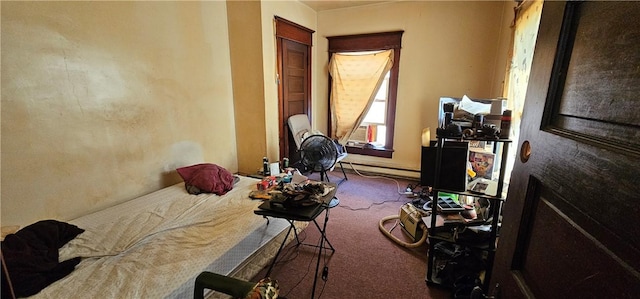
[[155, 245]]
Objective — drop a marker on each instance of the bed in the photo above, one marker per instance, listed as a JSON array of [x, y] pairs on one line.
[[154, 246]]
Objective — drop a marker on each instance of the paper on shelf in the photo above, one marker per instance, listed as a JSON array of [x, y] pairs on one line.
[[474, 107]]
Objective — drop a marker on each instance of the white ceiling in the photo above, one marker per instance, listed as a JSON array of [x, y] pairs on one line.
[[320, 5]]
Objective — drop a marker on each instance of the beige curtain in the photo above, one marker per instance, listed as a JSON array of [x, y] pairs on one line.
[[355, 80], [525, 35]]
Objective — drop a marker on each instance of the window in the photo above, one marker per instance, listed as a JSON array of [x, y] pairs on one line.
[[373, 127], [377, 127]]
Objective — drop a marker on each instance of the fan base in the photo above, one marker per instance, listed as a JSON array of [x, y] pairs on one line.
[[334, 202]]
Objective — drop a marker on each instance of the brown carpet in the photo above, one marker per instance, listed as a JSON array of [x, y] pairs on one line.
[[366, 263]]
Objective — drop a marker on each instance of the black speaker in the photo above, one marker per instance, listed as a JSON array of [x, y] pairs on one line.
[[453, 168]]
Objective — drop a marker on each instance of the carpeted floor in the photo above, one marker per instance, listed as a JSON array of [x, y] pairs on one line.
[[366, 263]]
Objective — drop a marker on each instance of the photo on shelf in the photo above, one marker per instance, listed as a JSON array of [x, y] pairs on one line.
[[478, 145], [483, 186], [480, 187], [482, 164]]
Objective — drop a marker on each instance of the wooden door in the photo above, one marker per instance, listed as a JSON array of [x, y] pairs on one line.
[[294, 73], [295, 98], [571, 225]]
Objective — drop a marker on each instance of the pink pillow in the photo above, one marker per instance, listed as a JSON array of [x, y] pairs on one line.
[[207, 178]]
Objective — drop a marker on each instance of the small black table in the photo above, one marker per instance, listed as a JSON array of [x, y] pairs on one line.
[[306, 213]]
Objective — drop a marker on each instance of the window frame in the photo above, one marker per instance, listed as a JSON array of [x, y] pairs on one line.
[[372, 42]]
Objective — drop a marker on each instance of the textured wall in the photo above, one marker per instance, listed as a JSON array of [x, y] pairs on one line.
[[101, 101]]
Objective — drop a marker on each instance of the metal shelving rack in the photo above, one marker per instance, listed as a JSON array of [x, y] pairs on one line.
[[436, 234]]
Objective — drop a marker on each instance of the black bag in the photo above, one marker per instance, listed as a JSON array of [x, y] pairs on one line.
[[464, 262]]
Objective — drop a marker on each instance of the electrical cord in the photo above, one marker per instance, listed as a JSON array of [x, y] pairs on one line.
[[300, 280], [343, 206], [289, 250], [381, 225], [297, 253], [325, 271], [311, 260], [326, 258], [385, 219], [400, 193]]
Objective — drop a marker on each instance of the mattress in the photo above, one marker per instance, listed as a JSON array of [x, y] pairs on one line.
[[154, 246]]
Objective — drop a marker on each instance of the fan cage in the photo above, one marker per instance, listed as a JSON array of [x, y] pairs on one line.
[[318, 153]]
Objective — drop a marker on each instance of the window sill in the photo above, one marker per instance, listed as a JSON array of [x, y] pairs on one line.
[[367, 151]]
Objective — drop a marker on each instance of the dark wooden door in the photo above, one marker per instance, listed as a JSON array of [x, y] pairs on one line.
[[295, 89], [571, 225], [294, 72]]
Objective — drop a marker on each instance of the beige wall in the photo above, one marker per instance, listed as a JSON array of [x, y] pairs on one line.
[[253, 63], [245, 44], [300, 14], [101, 101], [449, 48]]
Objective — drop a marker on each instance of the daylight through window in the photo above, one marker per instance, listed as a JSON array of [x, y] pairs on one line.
[[373, 128], [374, 131]]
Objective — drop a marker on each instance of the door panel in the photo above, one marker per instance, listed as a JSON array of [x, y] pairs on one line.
[[294, 83], [581, 102], [570, 227], [557, 258], [294, 69]]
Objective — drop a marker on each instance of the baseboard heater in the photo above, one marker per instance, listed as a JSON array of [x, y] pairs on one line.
[[417, 172]]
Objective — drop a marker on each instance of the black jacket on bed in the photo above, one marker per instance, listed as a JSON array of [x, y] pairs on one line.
[[31, 256]]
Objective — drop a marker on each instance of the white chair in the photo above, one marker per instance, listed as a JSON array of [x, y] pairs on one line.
[[300, 128]]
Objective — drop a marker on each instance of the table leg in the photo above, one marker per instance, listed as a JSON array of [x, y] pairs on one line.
[[321, 247], [275, 259]]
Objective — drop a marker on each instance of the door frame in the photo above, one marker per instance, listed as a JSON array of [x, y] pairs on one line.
[[287, 30]]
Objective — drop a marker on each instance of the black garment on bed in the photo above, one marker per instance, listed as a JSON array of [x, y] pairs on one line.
[[31, 256]]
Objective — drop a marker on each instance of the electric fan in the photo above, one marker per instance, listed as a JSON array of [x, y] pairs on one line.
[[319, 153]]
